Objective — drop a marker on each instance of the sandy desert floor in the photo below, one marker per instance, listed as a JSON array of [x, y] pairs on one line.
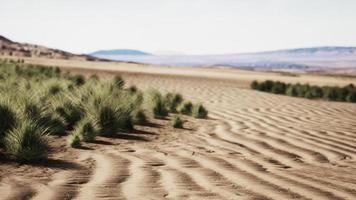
[[253, 146]]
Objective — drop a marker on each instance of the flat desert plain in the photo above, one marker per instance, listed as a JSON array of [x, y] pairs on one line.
[[254, 145]]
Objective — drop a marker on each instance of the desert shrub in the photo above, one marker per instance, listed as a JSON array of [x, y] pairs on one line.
[[8, 119], [278, 88], [70, 111], [186, 108], [54, 89], [330, 93], [55, 125], [267, 85], [139, 117], [345, 93], [50, 122], [351, 97], [156, 104], [94, 77], [119, 82], [132, 89], [27, 142], [108, 122], [86, 130], [173, 101], [199, 111], [316, 92], [302, 89], [255, 85], [77, 79], [73, 140], [292, 91], [113, 119], [177, 122]]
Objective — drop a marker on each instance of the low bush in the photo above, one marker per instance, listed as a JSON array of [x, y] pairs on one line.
[[8, 120], [73, 140], [199, 111], [177, 122], [70, 111], [54, 89], [186, 108], [344, 94], [78, 79], [27, 142], [119, 82], [139, 117], [156, 104], [173, 101], [86, 130], [37, 102]]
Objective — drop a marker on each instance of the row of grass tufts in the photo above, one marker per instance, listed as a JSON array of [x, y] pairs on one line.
[[330, 93], [37, 102]]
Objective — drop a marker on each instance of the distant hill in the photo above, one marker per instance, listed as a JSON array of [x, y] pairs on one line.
[[305, 59], [114, 52], [11, 48], [331, 59], [319, 50]]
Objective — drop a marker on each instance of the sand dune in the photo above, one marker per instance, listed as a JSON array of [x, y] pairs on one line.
[[254, 146]]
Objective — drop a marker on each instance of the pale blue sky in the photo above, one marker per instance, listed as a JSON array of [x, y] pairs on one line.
[[180, 26]]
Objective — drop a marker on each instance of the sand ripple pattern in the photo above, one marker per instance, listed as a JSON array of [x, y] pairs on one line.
[[255, 146]]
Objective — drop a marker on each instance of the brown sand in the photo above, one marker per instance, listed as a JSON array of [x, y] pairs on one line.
[[254, 146]]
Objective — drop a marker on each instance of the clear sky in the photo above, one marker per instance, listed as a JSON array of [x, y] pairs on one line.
[[180, 26]]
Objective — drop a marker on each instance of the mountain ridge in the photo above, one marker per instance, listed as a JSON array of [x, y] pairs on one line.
[[119, 52]]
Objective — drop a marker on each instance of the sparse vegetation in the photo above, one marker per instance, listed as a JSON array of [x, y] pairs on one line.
[[27, 142], [156, 104], [330, 93], [177, 122], [37, 102], [86, 130], [173, 101], [186, 108], [73, 140], [199, 111]]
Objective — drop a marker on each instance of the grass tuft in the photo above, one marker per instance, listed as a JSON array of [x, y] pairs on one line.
[[186, 108], [199, 111], [173, 101], [73, 140], [177, 122], [86, 130], [27, 142], [157, 104], [8, 120]]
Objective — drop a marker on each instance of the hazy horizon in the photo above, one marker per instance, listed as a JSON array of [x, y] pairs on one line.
[[180, 27]]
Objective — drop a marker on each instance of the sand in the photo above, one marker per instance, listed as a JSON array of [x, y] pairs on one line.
[[253, 146]]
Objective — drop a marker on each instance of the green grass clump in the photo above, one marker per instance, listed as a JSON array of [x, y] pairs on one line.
[[330, 93], [108, 121], [94, 77], [86, 130], [173, 101], [27, 142], [119, 82], [43, 118], [37, 102], [156, 104], [78, 79], [177, 122], [73, 140], [8, 120], [54, 89], [71, 112], [199, 111], [139, 117], [186, 108]]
